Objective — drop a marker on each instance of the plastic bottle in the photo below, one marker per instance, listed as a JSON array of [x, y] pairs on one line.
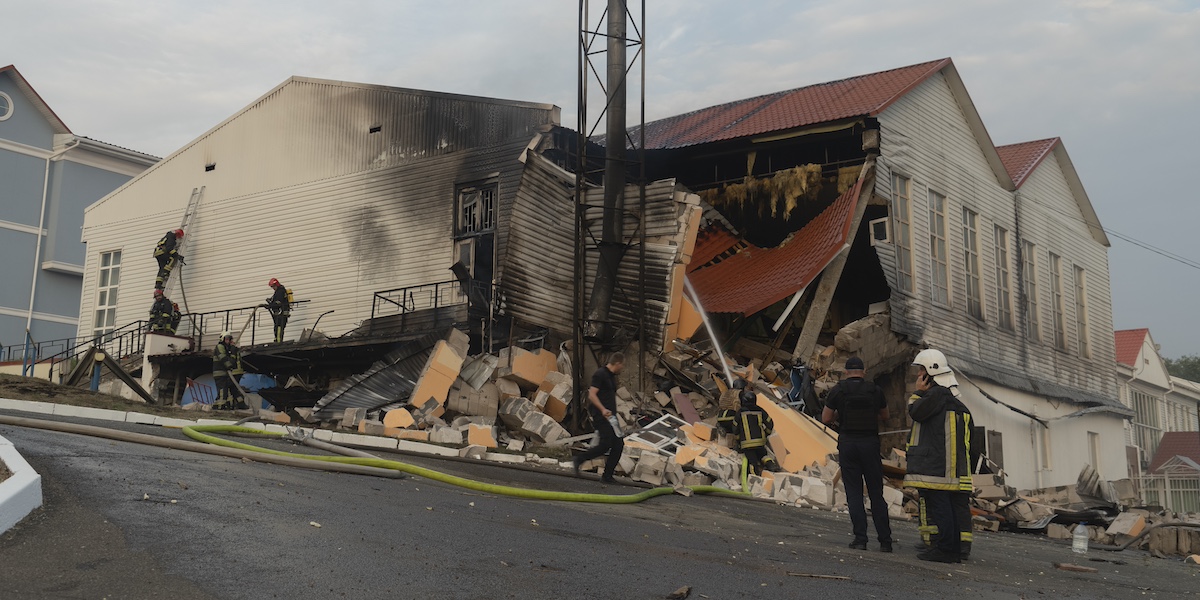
[[616, 425], [1079, 541]]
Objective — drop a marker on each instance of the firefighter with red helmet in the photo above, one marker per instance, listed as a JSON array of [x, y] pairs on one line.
[[167, 256], [280, 306]]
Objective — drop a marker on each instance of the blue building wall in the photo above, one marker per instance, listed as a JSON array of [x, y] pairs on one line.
[[73, 187], [16, 268], [27, 125], [21, 178]]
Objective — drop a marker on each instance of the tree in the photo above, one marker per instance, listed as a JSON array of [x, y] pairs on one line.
[[1185, 367]]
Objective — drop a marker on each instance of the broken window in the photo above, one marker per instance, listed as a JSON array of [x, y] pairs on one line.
[[1033, 325], [1057, 323], [902, 216], [970, 222], [1081, 313], [107, 282], [476, 209], [1003, 284], [938, 260]]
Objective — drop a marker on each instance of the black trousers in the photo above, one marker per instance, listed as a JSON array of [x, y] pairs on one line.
[[166, 262], [940, 513], [859, 459], [280, 324], [609, 444], [226, 390], [961, 503]]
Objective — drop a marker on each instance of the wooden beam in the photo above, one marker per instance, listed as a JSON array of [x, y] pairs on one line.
[[823, 297]]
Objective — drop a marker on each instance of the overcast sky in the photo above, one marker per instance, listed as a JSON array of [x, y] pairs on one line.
[[1119, 81]]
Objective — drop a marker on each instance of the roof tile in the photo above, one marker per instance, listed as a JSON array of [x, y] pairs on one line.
[[863, 95], [1129, 345], [1021, 159], [1176, 443]]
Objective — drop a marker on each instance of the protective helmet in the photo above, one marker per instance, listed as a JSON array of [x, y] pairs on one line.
[[933, 360], [739, 384], [178, 233], [749, 398], [273, 282], [226, 334], [158, 293], [175, 305]]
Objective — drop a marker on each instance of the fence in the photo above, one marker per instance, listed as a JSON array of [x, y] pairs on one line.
[[1178, 492]]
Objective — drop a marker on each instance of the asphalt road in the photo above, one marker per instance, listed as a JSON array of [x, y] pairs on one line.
[[243, 530]]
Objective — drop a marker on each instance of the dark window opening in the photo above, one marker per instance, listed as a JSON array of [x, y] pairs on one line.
[[375, 129], [210, 167], [475, 210]]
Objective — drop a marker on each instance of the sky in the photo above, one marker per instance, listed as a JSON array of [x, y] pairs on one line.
[[1118, 80]]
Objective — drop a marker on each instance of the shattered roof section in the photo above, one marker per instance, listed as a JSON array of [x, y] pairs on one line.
[[1129, 345], [711, 243], [1020, 160], [864, 95], [756, 278], [391, 379]]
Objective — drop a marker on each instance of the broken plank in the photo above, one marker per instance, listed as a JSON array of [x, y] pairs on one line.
[[683, 404], [1075, 568], [818, 576]]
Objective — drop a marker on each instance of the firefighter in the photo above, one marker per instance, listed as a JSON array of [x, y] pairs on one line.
[[939, 459], [176, 317], [280, 306], [227, 358], [160, 314], [167, 257], [753, 426]]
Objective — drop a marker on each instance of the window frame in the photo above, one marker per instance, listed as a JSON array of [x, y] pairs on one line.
[[935, 263], [1003, 257], [7, 109], [485, 219], [972, 271], [902, 228], [1058, 318], [1029, 275], [1083, 336], [104, 313]]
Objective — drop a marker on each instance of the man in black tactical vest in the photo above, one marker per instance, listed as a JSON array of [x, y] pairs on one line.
[[858, 406]]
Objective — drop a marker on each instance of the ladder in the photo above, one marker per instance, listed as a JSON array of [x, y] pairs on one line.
[[180, 249]]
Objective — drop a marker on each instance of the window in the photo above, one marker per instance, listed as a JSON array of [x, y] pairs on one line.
[[1094, 449], [6, 106], [1029, 273], [902, 215], [1081, 313], [1147, 430], [1057, 323], [938, 262], [476, 209], [1044, 448], [106, 293], [1003, 285], [970, 223]]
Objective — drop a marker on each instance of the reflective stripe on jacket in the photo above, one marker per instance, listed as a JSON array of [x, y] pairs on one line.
[[753, 427], [939, 446]]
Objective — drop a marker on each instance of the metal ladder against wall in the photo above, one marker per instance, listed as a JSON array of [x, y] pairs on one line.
[[188, 214]]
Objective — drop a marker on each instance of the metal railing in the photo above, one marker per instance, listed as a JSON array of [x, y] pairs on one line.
[[424, 304], [1176, 492], [252, 321], [120, 343]]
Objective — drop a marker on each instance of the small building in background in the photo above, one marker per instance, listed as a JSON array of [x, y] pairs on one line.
[[49, 176], [1162, 404]]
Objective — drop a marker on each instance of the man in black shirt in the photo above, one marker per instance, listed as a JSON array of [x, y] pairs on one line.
[[602, 405], [859, 406]]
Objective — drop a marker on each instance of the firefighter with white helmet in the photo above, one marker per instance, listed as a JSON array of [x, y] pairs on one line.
[[939, 459], [226, 359]]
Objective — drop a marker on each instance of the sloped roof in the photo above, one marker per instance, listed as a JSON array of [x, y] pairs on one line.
[[1176, 443], [1021, 159], [756, 278], [1129, 345], [711, 243], [863, 95], [36, 99]]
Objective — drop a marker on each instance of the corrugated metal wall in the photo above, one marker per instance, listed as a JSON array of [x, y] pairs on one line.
[[540, 259], [301, 191]]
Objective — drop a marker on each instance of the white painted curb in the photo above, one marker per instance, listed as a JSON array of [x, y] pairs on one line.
[[21, 493]]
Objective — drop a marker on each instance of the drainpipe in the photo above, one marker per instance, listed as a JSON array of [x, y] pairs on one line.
[[1022, 302], [37, 253]]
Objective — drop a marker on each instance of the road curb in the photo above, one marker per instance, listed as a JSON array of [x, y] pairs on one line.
[[21, 493]]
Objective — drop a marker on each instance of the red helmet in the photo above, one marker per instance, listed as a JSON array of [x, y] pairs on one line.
[[178, 233], [273, 282], [157, 293]]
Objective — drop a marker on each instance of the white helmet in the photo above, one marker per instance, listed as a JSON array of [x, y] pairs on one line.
[[226, 334], [933, 360]]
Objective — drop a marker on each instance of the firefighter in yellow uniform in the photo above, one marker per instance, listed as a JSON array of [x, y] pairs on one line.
[[167, 256], [752, 427], [227, 359], [939, 460]]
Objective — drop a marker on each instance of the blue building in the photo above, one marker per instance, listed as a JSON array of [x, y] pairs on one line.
[[48, 175]]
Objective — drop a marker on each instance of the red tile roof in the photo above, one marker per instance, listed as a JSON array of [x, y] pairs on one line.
[[710, 243], [1176, 443], [864, 95], [756, 278], [1020, 160], [1129, 345]]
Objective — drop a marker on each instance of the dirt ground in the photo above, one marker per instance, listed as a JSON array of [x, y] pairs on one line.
[[27, 388]]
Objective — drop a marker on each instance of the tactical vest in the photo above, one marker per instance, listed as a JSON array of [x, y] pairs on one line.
[[858, 413]]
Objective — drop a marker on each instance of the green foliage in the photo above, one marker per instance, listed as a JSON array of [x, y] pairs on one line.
[[1186, 367]]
